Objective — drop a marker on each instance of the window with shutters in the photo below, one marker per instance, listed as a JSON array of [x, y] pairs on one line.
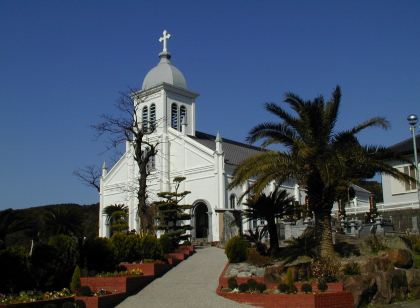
[[183, 114], [144, 118], [174, 116], [152, 118]]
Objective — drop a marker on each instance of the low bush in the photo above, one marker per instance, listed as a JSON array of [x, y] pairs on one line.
[[375, 244], [252, 284], [232, 283], [416, 261], [292, 289], [261, 287], [79, 303], [85, 291], [306, 287], [283, 288], [351, 268], [236, 249], [255, 258], [326, 269], [243, 287], [322, 285]]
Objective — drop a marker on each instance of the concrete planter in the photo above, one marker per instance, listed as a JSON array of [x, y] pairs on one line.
[[104, 301]]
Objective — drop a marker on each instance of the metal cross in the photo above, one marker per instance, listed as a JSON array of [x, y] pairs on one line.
[[166, 36]]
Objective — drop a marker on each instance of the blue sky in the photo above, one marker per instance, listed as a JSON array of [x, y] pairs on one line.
[[62, 64]]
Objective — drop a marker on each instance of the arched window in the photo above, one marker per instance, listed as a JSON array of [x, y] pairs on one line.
[[151, 165], [182, 114], [152, 116], [174, 116], [232, 201], [144, 118]]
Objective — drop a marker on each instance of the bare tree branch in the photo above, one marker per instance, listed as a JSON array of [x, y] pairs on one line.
[[89, 175]]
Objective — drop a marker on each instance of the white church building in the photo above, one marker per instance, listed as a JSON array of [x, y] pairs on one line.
[[205, 160]]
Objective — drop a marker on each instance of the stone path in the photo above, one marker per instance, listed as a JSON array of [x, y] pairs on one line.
[[192, 283]]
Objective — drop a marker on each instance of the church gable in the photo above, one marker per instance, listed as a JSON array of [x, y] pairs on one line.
[[187, 155], [118, 173]]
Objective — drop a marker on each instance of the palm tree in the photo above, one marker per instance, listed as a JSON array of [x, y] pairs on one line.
[[276, 205], [117, 215], [63, 219], [315, 155]]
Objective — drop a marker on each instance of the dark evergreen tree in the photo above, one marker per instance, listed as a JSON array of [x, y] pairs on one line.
[[173, 217]]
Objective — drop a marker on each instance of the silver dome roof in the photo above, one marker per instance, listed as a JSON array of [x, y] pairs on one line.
[[164, 72]]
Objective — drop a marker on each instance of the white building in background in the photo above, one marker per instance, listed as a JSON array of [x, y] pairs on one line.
[[207, 161], [401, 195]]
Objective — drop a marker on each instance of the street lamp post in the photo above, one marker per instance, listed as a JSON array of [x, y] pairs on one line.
[[412, 120]]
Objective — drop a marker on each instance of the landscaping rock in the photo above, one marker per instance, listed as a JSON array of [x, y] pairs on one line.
[[413, 282], [244, 274], [401, 258], [274, 273], [363, 288], [377, 264], [392, 286], [300, 267]]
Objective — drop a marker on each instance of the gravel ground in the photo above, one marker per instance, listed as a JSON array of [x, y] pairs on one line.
[[191, 283]]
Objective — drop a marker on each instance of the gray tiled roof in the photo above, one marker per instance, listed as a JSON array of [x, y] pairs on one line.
[[235, 152], [406, 146]]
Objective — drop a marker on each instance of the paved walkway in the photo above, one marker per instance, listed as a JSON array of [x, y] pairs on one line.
[[192, 283]]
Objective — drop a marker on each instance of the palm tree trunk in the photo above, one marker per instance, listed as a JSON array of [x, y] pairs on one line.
[[274, 239], [324, 235]]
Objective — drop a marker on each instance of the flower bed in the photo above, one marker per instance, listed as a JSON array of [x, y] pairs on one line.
[[36, 299], [335, 297], [103, 301], [127, 284], [40, 303], [149, 269]]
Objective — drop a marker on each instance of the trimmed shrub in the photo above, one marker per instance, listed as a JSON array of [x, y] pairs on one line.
[[306, 287], [243, 287], [236, 249], [75, 280], [85, 291], [91, 249], [252, 284], [232, 283], [352, 268], [118, 241], [322, 285], [289, 277], [167, 243], [132, 247], [261, 287], [68, 305], [151, 248]]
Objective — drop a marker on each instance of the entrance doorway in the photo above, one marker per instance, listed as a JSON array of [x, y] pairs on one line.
[[201, 221]]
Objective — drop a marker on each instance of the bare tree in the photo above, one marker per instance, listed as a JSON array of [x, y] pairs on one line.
[[89, 175], [128, 126]]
